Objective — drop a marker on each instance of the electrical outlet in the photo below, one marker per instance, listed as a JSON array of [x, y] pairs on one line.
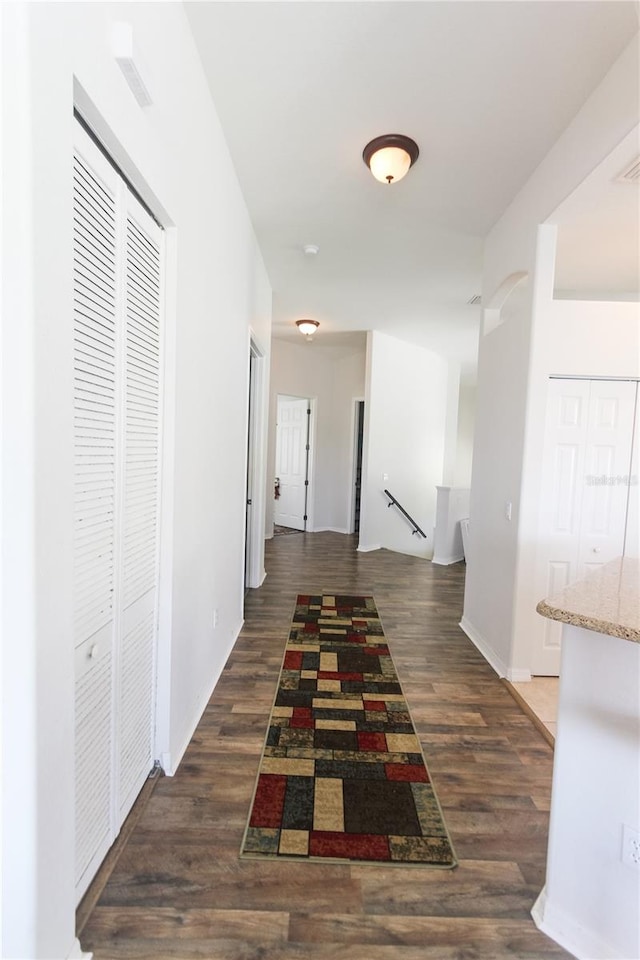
[[630, 846], [215, 618]]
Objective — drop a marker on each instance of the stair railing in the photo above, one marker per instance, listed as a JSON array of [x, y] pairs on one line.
[[394, 503]]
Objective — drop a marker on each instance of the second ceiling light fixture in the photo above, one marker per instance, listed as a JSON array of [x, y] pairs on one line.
[[307, 327]]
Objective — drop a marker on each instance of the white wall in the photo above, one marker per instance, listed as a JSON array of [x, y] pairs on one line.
[[464, 437], [175, 154], [348, 386], [405, 426], [494, 575], [496, 477], [451, 425], [333, 377]]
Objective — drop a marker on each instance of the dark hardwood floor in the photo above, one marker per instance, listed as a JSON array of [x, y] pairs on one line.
[[179, 889]]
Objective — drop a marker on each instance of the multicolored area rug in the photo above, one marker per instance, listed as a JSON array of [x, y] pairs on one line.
[[342, 775]]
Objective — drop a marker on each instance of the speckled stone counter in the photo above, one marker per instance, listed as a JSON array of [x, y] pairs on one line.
[[607, 601]]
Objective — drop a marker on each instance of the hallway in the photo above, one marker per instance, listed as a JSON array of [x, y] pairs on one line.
[[179, 889]]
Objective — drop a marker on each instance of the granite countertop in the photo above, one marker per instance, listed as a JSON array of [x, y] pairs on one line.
[[607, 601]]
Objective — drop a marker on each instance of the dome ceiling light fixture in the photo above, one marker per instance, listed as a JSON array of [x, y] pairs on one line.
[[307, 327], [389, 157]]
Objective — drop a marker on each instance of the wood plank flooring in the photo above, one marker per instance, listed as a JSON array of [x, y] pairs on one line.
[[179, 890]]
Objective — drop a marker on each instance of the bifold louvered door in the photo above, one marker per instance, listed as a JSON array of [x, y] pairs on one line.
[[140, 502], [117, 311]]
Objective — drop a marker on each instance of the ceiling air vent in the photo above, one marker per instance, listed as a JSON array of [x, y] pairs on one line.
[[630, 174], [475, 299]]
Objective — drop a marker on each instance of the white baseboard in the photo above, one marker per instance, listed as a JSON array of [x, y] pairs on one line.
[[569, 933], [513, 674], [170, 761], [446, 561], [329, 530], [77, 952], [365, 549], [485, 648], [537, 910], [518, 675], [261, 578]]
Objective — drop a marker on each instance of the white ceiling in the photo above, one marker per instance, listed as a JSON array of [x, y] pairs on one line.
[[485, 88]]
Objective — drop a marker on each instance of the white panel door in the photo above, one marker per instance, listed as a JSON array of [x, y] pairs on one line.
[[583, 499], [117, 294], [608, 467], [291, 461]]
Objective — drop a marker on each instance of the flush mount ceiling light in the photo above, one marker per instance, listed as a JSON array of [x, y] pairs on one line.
[[389, 157], [307, 327]]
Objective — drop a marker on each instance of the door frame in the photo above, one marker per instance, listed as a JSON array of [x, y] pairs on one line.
[[310, 475]]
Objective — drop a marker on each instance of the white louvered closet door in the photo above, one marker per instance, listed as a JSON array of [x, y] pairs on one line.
[[96, 303], [117, 291], [139, 542]]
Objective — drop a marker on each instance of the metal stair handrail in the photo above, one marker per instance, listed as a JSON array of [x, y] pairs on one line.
[[395, 503]]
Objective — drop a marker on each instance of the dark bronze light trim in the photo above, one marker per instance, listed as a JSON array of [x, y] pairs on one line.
[[391, 140]]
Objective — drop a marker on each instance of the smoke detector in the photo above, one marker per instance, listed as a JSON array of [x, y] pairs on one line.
[[311, 249]]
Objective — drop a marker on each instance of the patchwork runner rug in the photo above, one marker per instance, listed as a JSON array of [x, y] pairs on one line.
[[342, 776]]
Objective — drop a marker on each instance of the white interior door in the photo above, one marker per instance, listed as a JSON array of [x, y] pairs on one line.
[[117, 293], [608, 467], [292, 433], [584, 496]]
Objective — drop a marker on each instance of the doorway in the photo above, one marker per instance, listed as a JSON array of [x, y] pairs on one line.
[[357, 465], [248, 512], [293, 462], [254, 485]]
